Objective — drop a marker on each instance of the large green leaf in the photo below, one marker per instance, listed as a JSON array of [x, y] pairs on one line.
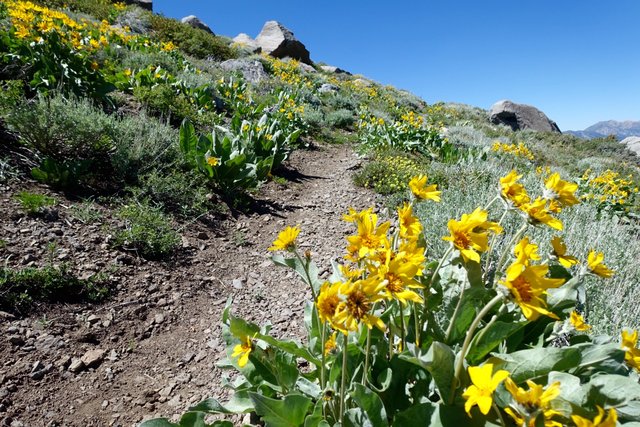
[[236, 405], [439, 361], [536, 363], [289, 412], [608, 358], [490, 338], [370, 404], [309, 277]]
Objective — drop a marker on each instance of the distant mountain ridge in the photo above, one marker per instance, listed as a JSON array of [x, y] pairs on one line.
[[621, 130]]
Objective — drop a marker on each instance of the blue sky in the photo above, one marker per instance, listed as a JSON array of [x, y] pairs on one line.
[[577, 60]]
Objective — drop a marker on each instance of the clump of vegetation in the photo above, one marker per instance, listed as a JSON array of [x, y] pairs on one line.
[[388, 173], [21, 290], [34, 203], [147, 230]]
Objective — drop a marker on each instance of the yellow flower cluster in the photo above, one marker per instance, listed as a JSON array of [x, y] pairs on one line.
[[291, 109], [360, 87], [608, 187], [412, 119], [392, 175], [519, 150], [436, 113], [288, 72]]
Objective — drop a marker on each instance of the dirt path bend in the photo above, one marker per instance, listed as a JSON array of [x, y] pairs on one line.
[[151, 350]]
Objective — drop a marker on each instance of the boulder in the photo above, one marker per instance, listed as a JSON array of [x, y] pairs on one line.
[[521, 116], [244, 40], [253, 71], [195, 22], [145, 4], [328, 87], [632, 143], [279, 42], [333, 70]]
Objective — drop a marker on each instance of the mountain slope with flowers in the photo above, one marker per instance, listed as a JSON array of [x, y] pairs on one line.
[[320, 238]]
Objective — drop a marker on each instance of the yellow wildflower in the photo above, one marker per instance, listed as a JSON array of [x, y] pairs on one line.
[[422, 191], [470, 234], [330, 344], [328, 300], [484, 384], [213, 161], [529, 404], [560, 193], [397, 276], [242, 351], [597, 266], [632, 354], [560, 252], [355, 308], [528, 288], [578, 322], [512, 191], [538, 213], [410, 226], [286, 239], [370, 237], [599, 421]]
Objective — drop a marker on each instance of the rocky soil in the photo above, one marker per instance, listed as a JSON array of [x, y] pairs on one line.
[[151, 349]]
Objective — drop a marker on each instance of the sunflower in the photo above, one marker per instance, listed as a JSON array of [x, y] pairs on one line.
[[356, 306], [286, 240], [529, 404], [422, 191], [484, 384], [528, 288], [470, 235]]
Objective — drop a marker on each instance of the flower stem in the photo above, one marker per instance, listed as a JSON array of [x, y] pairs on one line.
[[487, 262], [416, 322], [447, 334], [507, 249], [467, 342], [344, 378], [402, 328], [495, 407], [322, 368], [366, 358], [491, 202], [306, 272]]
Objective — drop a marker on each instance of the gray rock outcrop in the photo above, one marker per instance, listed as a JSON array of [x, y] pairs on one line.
[[145, 4], [195, 22], [521, 116], [253, 71], [334, 70], [247, 42], [276, 40], [632, 143]]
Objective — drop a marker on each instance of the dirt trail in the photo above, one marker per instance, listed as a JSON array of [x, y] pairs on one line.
[[157, 341]]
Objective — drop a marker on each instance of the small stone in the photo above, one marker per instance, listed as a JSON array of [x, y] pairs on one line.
[[16, 340], [37, 366], [188, 357], [237, 283], [93, 358], [76, 366], [200, 356], [202, 235], [158, 319], [93, 319]]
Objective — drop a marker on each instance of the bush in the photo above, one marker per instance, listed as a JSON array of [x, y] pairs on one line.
[[99, 9], [147, 230], [191, 40], [342, 119], [388, 173], [21, 289], [182, 193]]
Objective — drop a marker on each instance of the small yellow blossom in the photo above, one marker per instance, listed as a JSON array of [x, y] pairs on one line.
[[484, 384], [595, 262], [286, 239], [632, 354], [422, 191], [529, 404], [611, 420], [578, 322], [242, 351], [470, 234], [560, 252]]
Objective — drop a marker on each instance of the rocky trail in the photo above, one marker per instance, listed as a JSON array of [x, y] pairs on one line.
[[151, 349]]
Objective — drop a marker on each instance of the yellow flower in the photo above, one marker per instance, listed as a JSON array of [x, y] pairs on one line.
[[632, 354], [529, 404], [213, 161], [528, 288], [560, 192], [470, 234], [525, 252], [127, 72], [578, 322], [330, 344], [511, 190], [420, 189], [397, 276], [484, 384], [370, 238], [597, 266], [286, 239], [599, 421], [242, 351], [328, 300], [538, 213], [560, 252], [410, 226], [355, 308], [95, 66]]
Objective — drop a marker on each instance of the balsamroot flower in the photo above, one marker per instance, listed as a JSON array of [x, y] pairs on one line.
[[484, 384], [286, 240], [538, 213], [529, 404], [242, 351], [525, 252], [599, 421], [512, 191], [560, 252], [328, 300], [420, 189], [560, 193], [355, 308], [528, 286], [410, 226], [595, 263], [632, 354], [470, 235], [370, 238], [577, 321], [398, 277]]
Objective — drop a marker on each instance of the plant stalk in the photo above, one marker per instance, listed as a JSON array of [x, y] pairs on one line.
[[467, 341], [507, 249], [323, 342], [366, 358], [306, 272], [343, 380]]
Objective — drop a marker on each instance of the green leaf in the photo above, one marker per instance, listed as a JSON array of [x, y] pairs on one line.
[[371, 404], [289, 412], [596, 358], [290, 347], [439, 361], [158, 422], [490, 338], [240, 328], [296, 265], [316, 419], [536, 363], [212, 406], [420, 411]]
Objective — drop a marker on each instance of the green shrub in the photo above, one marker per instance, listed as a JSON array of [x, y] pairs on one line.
[[86, 212], [147, 230], [21, 289], [182, 193], [99, 9], [33, 203], [388, 173], [343, 119], [191, 40]]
